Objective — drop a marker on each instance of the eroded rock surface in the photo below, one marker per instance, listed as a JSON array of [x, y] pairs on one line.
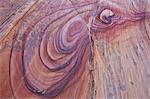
[[75, 49]]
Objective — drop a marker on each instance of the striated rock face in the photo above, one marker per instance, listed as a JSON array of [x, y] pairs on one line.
[[75, 49]]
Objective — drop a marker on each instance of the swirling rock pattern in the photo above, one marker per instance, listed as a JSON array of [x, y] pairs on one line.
[[49, 64], [66, 49], [50, 52]]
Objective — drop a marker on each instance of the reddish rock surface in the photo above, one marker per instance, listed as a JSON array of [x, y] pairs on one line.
[[74, 49]]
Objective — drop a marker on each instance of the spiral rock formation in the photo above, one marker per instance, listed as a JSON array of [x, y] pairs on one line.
[[61, 48], [50, 52]]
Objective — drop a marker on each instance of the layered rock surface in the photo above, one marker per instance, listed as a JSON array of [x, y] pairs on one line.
[[75, 49]]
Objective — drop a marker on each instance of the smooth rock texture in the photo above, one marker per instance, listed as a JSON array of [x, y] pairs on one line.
[[74, 49]]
